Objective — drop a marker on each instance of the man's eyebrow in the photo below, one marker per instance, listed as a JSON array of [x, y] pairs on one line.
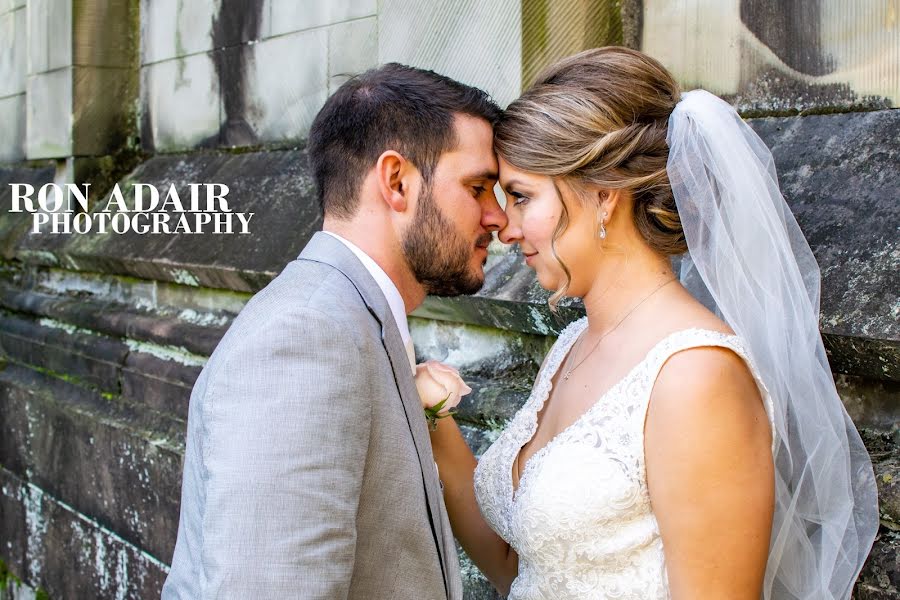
[[483, 176]]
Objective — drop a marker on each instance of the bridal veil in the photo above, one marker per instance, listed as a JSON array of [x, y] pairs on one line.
[[748, 260]]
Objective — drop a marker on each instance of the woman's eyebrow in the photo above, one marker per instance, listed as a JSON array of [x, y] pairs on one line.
[[509, 185]]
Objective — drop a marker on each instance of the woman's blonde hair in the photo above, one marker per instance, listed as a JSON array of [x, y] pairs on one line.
[[600, 118]]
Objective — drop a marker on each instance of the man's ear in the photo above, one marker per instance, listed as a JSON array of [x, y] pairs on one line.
[[391, 173]]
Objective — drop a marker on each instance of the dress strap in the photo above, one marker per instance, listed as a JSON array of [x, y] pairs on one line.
[[693, 338], [700, 338]]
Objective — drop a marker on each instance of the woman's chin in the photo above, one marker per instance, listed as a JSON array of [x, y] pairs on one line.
[[548, 283]]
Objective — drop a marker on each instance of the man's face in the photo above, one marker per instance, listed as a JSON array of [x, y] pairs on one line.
[[446, 244]]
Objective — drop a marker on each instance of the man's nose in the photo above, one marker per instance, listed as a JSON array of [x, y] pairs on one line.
[[493, 218]]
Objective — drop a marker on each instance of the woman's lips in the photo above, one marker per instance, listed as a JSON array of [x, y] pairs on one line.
[[529, 257]]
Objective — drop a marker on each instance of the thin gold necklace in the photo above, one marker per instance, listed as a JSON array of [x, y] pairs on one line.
[[600, 339]]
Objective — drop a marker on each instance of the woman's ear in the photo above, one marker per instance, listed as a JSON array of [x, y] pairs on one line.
[[609, 201], [391, 170]]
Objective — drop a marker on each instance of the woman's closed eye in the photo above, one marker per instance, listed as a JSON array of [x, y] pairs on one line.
[[518, 198]]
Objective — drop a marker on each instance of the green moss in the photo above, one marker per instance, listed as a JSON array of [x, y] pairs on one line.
[[7, 577], [74, 380], [41, 594], [814, 110], [552, 30]]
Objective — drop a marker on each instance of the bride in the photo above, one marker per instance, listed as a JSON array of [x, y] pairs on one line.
[[684, 439]]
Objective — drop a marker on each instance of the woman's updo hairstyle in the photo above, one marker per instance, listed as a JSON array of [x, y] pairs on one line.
[[600, 117]]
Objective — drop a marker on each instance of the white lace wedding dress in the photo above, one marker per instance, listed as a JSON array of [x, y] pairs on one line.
[[581, 520]]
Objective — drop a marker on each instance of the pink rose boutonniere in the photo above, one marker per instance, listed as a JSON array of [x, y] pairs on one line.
[[440, 389]]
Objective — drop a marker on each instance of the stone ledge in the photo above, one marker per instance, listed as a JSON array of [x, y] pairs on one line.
[[154, 379], [117, 319], [91, 359]]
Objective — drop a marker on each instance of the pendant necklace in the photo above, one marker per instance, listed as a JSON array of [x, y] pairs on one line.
[[600, 339]]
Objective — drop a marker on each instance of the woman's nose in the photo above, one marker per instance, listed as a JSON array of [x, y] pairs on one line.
[[511, 233]]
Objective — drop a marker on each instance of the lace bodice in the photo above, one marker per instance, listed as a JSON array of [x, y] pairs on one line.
[[580, 519]]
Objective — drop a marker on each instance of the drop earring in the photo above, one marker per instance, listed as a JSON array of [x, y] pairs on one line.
[[602, 232]]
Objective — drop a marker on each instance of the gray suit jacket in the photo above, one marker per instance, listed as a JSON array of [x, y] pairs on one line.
[[308, 469]]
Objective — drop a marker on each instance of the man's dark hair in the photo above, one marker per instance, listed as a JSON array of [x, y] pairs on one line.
[[393, 107]]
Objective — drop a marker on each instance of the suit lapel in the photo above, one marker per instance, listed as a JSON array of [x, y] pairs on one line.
[[419, 430], [326, 249]]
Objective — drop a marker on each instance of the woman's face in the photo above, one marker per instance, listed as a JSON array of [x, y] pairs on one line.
[[534, 208]]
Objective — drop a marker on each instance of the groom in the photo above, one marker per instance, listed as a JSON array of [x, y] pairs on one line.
[[308, 471]]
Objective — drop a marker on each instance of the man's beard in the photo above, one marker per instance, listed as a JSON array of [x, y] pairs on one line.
[[438, 254]]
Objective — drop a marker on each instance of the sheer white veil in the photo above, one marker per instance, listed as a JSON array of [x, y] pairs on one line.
[[748, 260]]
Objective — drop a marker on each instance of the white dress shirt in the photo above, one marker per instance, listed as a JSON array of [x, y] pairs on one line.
[[395, 301], [391, 294]]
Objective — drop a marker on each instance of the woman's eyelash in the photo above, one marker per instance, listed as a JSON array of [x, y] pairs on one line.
[[518, 197]]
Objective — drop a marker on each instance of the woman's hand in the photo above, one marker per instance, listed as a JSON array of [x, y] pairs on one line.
[[440, 387]]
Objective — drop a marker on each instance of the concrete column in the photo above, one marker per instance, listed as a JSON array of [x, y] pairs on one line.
[[553, 29], [82, 77]]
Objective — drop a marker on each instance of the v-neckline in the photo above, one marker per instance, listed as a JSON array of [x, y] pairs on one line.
[[539, 406]]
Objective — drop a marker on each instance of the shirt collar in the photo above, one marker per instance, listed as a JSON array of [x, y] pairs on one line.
[[390, 291]]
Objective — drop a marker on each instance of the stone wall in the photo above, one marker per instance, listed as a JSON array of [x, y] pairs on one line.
[[102, 336]]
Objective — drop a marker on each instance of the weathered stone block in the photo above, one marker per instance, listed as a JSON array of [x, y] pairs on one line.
[[13, 529], [180, 103], [479, 43], [287, 16], [238, 22], [352, 49], [776, 57], [871, 403], [886, 462], [12, 128], [282, 108], [10, 5], [49, 35], [14, 226], [38, 50], [880, 577], [164, 385], [119, 320], [839, 175], [97, 43], [479, 439], [49, 114], [70, 555], [500, 366], [554, 30], [13, 49], [173, 29], [133, 484], [104, 121], [15, 427]]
